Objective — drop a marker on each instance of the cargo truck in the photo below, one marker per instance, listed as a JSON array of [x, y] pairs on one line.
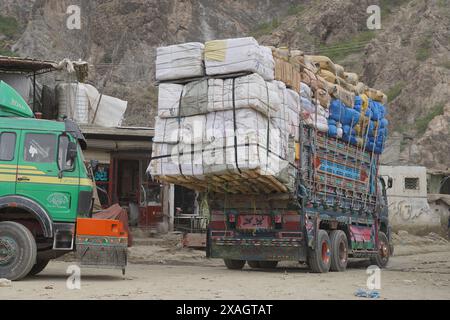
[[338, 210], [46, 195]]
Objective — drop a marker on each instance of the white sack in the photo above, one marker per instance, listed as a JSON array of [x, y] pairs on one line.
[[238, 55], [179, 61]]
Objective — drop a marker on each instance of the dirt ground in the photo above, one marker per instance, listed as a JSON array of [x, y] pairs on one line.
[[161, 269]]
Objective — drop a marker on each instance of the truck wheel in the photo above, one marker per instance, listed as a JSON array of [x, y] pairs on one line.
[[268, 264], [253, 264], [234, 264], [339, 250], [319, 259], [17, 251], [38, 267], [384, 251]]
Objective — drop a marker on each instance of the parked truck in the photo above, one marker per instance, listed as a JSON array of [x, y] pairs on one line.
[[46, 195], [338, 210]]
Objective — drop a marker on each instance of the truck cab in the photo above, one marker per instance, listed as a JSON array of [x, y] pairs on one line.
[[45, 188]]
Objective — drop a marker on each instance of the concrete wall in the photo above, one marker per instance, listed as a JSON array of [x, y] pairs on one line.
[[409, 209]]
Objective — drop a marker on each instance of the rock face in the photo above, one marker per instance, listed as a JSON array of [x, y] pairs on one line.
[[408, 58]]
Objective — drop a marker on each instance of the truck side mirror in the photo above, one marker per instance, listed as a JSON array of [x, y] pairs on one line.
[[71, 151], [390, 182]]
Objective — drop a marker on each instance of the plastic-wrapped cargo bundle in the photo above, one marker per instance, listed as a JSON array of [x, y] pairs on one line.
[[169, 96], [238, 55], [249, 92], [293, 110], [180, 61]]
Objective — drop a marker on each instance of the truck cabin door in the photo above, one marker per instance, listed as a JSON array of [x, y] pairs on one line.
[[9, 148], [44, 155]]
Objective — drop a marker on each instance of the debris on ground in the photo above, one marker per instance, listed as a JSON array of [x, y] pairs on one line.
[[372, 294], [5, 283]]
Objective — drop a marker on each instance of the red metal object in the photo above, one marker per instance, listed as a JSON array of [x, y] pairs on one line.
[[150, 216]]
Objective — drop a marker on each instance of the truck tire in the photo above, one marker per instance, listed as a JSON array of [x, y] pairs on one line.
[[234, 264], [268, 264], [384, 251], [18, 251], [319, 258], [38, 267], [339, 250], [253, 264]]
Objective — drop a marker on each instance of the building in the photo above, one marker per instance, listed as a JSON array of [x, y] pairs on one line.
[[409, 208]]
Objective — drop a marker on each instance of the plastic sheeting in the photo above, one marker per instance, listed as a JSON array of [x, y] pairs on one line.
[[180, 61], [84, 104], [238, 55]]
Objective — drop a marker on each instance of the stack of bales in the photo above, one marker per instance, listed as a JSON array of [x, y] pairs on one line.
[[234, 121], [231, 109]]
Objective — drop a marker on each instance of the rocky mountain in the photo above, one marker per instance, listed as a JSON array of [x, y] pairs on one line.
[[408, 58]]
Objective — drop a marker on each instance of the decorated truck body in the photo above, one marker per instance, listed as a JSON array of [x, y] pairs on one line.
[[46, 195], [338, 210]]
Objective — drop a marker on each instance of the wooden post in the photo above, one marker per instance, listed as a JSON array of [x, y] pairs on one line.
[[168, 205]]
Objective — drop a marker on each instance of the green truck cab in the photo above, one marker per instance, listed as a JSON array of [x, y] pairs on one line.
[[45, 187]]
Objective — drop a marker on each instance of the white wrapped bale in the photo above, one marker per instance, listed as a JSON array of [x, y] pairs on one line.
[[169, 95], [194, 100], [249, 92], [238, 55], [180, 61], [192, 129], [167, 130], [293, 109]]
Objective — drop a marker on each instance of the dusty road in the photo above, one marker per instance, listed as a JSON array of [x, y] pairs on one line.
[[168, 272]]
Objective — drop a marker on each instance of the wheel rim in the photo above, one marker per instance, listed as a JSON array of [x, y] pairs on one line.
[[325, 252], [8, 250], [343, 253]]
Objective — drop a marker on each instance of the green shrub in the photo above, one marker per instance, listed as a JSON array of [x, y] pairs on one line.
[[8, 26], [421, 124], [424, 50], [265, 28], [339, 50], [295, 9], [395, 90]]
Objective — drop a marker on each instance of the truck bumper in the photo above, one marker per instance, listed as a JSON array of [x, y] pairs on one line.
[[259, 249]]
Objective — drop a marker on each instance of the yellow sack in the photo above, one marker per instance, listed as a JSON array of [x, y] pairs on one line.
[[216, 50], [351, 78], [365, 103], [327, 75], [323, 62], [360, 88], [336, 91], [376, 95], [339, 70]]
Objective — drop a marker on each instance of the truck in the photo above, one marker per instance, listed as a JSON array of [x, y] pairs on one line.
[[338, 210], [46, 195]]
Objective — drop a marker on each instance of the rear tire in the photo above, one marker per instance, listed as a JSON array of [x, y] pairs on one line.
[[234, 264], [339, 251], [253, 264], [319, 259], [18, 251], [384, 251], [268, 264], [38, 267]]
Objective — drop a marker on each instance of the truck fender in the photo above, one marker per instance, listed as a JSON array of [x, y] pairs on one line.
[[32, 207]]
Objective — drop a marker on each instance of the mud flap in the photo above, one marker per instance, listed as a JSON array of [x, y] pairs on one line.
[[102, 252]]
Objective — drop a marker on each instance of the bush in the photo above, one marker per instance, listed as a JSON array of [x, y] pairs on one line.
[[395, 91], [424, 50], [8, 26], [421, 124]]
